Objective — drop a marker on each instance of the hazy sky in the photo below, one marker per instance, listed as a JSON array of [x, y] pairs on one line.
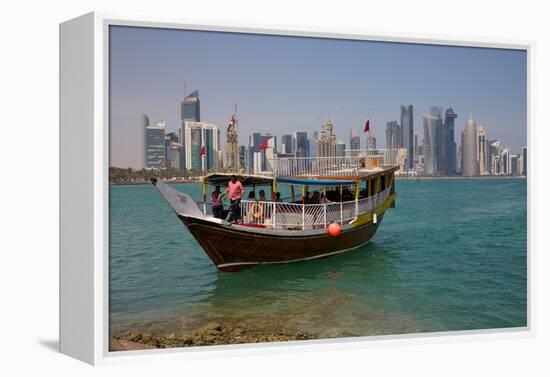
[[287, 84]]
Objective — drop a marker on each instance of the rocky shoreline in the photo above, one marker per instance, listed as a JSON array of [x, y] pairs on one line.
[[213, 333]]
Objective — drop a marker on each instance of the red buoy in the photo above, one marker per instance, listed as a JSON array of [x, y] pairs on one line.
[[334, 229]]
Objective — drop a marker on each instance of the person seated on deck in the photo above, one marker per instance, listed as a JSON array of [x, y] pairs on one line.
[[262, 197], [217, 204], [277, 196], [324, 199], [305, 198], [316, 198], [347, 195], [332, 196], [251, 196]]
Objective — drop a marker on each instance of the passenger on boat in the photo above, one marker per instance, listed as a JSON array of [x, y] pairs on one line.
[[251, 196], [217, 204], [235, 190], [277, 196], [316, 198], [262, 197], [305, 198]]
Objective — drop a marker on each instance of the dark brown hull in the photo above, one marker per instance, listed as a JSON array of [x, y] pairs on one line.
[[233, 249]]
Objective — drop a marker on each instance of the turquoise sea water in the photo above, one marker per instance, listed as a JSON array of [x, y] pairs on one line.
[[452, 255]]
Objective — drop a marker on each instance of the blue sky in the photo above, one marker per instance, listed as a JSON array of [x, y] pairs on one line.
[[287, 84]]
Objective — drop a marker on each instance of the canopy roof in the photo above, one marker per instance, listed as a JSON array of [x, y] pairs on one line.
[[318, 182], [246, 179]]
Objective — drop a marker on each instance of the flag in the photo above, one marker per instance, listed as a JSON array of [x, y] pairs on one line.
[[233, 119], [264, 144], [367, 126], [203, 151]]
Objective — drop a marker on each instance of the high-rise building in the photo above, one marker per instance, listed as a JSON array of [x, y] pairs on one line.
[[286, 144], [505, 162], [173, 151], [190, 111], [481, 150], [471, 164], [415, 145], [393, 135], [155, 157], [354, 139], [493, 150], [260, 156], [441, 150], [326, 142], [197, 136], [450, 117], [190, 108], [174, 156], [313, 144], [371, 142], [302, 144], [430, 143], [340, 148], [514, 169], [144, 124], [524, 161], [407, 130], [460, 155]]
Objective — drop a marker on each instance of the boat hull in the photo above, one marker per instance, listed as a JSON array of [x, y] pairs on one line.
[[232, 249]]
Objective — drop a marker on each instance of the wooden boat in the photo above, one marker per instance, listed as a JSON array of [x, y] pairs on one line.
[[354, 196]]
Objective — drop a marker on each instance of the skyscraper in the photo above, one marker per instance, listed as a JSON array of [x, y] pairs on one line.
[[326, 142], [493, 152], [429, 148], [407, 130], [154, 146], [190, 108], [471, 165], [393, 135], [340, 148], [286, 144], [144, 124], [302, 144], [354, 139], [197, 136], [524, 161], [481, 150], [505, 162], [190, 111], [371, 142], [450, 117]]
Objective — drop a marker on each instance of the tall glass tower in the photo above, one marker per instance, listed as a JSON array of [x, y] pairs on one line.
[[407, 129], [450, 117]]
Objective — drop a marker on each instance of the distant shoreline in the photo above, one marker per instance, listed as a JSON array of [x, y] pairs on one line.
[[489, 177]]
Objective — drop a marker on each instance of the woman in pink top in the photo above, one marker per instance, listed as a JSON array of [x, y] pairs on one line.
[[235, 190]]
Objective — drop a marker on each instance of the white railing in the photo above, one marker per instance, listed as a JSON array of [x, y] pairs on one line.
[[296, 216], [389, 156], [347, 165], [314, 166]]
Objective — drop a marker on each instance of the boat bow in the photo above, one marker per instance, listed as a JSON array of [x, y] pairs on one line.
[[180, 202]]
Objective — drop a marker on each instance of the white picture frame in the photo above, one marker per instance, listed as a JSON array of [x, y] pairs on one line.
[[84, 188]]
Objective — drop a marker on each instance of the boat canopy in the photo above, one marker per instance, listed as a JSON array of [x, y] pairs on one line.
[[246, 179], [317, 182]]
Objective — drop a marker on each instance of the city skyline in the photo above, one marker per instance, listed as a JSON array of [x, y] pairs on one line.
[[333, 82]]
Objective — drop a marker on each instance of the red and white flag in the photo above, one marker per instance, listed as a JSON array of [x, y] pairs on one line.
[[203, 151], [367, 126], [264, 144]]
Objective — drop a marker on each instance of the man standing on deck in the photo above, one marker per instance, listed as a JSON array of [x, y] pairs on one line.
[[235, 190]]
